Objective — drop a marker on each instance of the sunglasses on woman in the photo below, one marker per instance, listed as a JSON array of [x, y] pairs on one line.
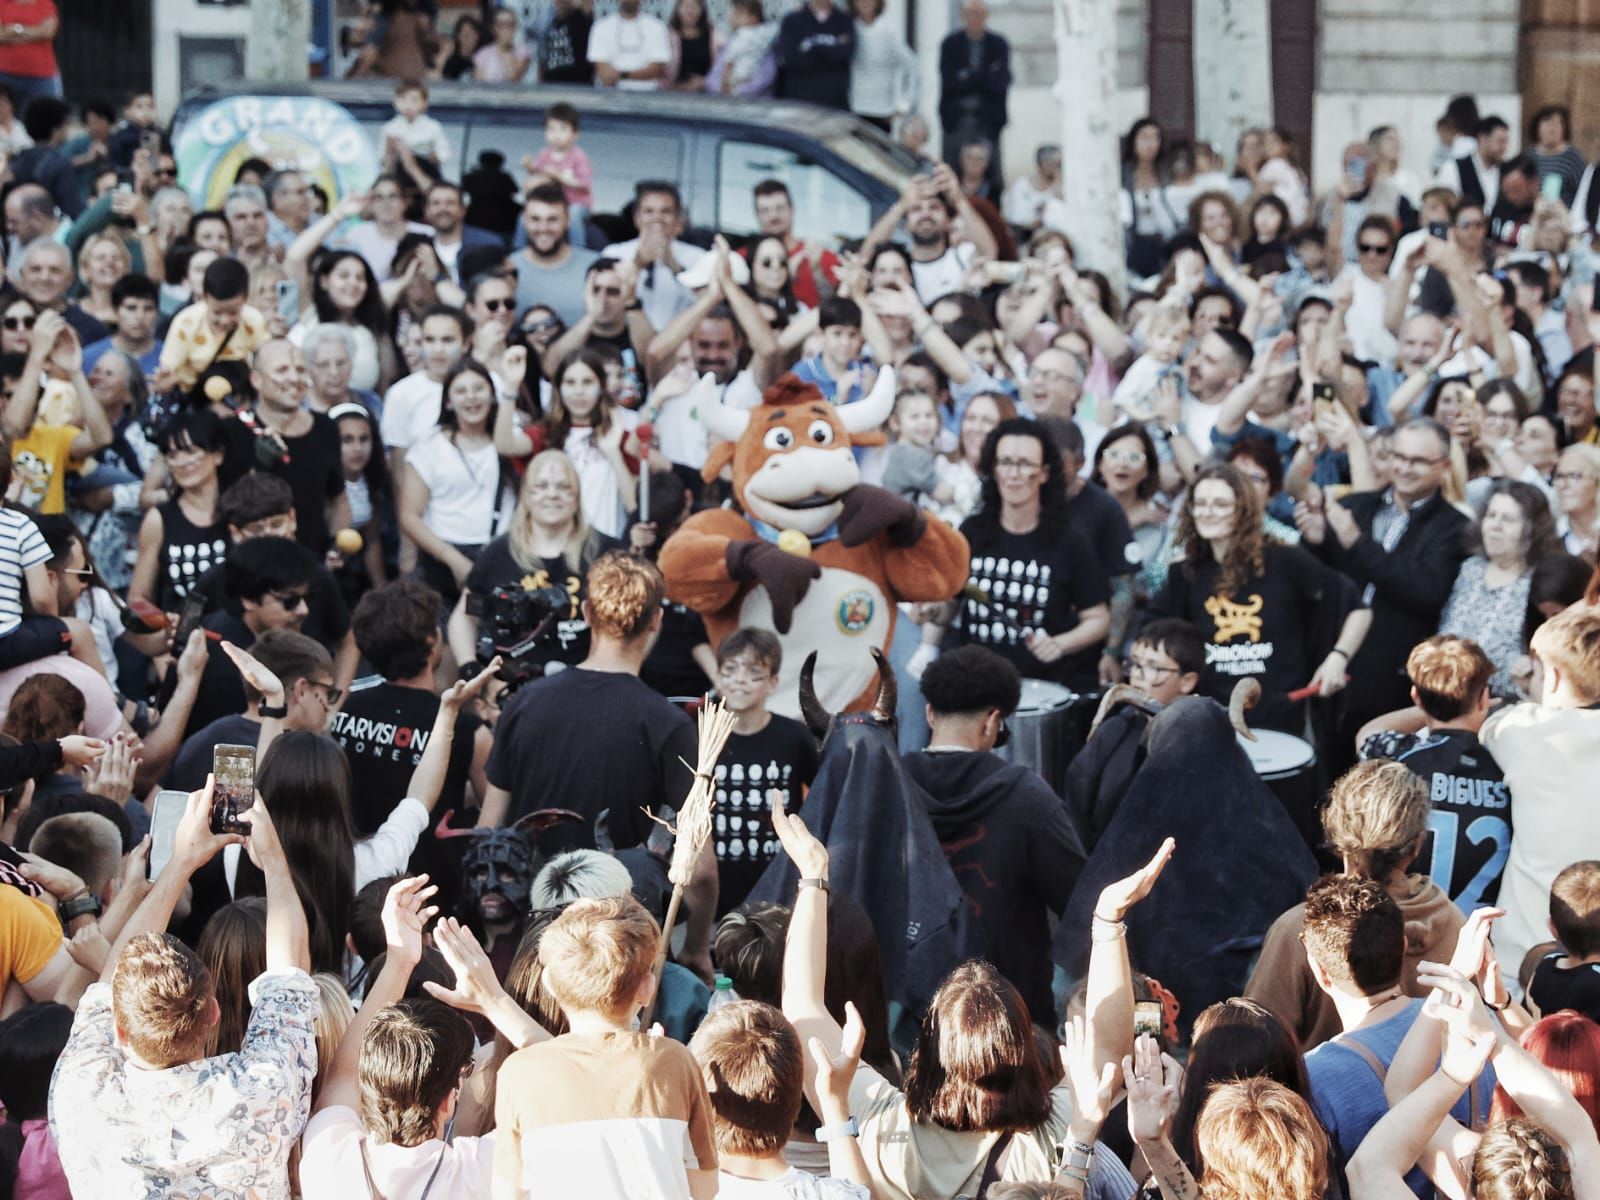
[[15, 323]]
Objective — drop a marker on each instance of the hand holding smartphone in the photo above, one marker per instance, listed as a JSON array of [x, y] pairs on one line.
[[234, 768], [164, 818]]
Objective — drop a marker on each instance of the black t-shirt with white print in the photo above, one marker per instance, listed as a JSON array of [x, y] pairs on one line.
[[1040, 581], [781, 756], [1264, 629]]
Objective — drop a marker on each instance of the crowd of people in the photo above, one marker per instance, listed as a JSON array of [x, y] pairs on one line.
[[356, 491]]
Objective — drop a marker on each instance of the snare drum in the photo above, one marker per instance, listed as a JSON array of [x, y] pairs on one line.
[[1288, 765], [1046, 730]]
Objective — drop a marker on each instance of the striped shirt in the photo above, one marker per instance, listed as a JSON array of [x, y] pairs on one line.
[[21, 547]]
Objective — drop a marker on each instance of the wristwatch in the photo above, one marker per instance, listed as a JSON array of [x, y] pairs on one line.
[[274, 710], [848, 1128], [86, 905]]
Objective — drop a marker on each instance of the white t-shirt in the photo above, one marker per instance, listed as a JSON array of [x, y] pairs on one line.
[[331, 1169], [680, 426], [944, 274], [1369, 336], [1550, 757], [630, 45], [795, 1185], [367, 240], [410, 410], [463, 484], [597, 478]]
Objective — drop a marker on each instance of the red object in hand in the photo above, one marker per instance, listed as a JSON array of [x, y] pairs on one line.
[[1314, 688], [149, 614], [646, 431], [212, 635]]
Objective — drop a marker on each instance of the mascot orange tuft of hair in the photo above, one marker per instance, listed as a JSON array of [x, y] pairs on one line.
[[816, 555]]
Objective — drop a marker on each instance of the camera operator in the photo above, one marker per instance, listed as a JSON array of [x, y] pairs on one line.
[[597, 740], [548, 546]]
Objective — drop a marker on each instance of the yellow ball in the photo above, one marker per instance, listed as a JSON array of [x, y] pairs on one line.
[[217, 389], [792, 541], [348, 541]]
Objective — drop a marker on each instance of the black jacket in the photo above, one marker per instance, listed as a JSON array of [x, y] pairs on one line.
[[978, 95], [1410, 586], [1014, 850]]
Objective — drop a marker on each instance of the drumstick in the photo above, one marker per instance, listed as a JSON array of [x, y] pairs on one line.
[[973, 592]]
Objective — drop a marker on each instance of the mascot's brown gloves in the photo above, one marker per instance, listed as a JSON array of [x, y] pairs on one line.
[[869, 511], [785, 576]]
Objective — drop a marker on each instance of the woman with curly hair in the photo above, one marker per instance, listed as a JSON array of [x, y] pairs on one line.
[[1269, 611], [1036, 596]]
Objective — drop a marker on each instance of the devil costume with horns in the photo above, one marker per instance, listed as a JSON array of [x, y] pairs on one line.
[[814, 555]]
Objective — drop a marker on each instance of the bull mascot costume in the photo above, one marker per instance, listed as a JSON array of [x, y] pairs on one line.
[[815, 555]]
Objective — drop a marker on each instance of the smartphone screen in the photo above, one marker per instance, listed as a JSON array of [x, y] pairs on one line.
[[164, 818], [1439, 229], [150, 140], [288, 295], [1147, 1018], [235, 771], [1550, 187]]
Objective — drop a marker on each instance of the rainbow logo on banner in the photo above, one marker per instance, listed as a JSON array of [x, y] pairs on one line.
[[314, 136]]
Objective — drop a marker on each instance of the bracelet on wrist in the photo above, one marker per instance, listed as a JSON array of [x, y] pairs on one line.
[[1341, 653], [1499, 1008]]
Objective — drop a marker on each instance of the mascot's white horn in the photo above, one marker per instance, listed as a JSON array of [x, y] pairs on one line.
[[866, 415], [723, 422]]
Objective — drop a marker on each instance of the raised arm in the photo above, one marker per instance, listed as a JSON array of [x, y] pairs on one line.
[[1269, 370], [805, 955], [427, 781], [288, 937], [297, 258], [23, 406], [193, 846], [476, 989], [1109, 988], [1396, 1143], [405, 913]]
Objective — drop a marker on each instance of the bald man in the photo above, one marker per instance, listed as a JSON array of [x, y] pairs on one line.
[[301, 447]]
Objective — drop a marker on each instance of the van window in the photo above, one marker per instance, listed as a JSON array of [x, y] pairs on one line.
[[620, 157], [826, 208]]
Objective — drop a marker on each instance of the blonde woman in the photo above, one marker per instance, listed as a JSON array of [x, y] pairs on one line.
[[102, 261], [547, 545]]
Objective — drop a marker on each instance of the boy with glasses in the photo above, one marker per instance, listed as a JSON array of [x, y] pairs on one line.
[[765, 753]]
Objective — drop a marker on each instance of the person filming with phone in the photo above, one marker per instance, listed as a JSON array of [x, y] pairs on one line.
[[136, 1108]]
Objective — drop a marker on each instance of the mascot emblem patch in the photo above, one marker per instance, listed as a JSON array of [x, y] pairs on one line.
[[855, 610]]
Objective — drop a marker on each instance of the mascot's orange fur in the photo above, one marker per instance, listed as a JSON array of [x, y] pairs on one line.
[[795, 476]]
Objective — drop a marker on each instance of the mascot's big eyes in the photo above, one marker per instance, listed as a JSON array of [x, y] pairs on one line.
[[820, 432], [778, 439]]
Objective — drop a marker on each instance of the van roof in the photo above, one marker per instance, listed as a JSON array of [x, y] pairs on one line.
[[819, 122]]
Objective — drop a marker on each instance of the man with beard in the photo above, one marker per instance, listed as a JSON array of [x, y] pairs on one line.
[[550, 269], [446, 210], [720, 327], [929, 207]]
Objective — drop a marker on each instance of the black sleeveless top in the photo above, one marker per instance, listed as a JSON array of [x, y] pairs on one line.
[[188, 551]]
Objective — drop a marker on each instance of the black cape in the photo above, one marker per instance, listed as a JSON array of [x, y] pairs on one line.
[[1239, 864], [884, 854]]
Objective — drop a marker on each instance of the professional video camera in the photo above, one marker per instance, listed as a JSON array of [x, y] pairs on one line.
[[513, 622]]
